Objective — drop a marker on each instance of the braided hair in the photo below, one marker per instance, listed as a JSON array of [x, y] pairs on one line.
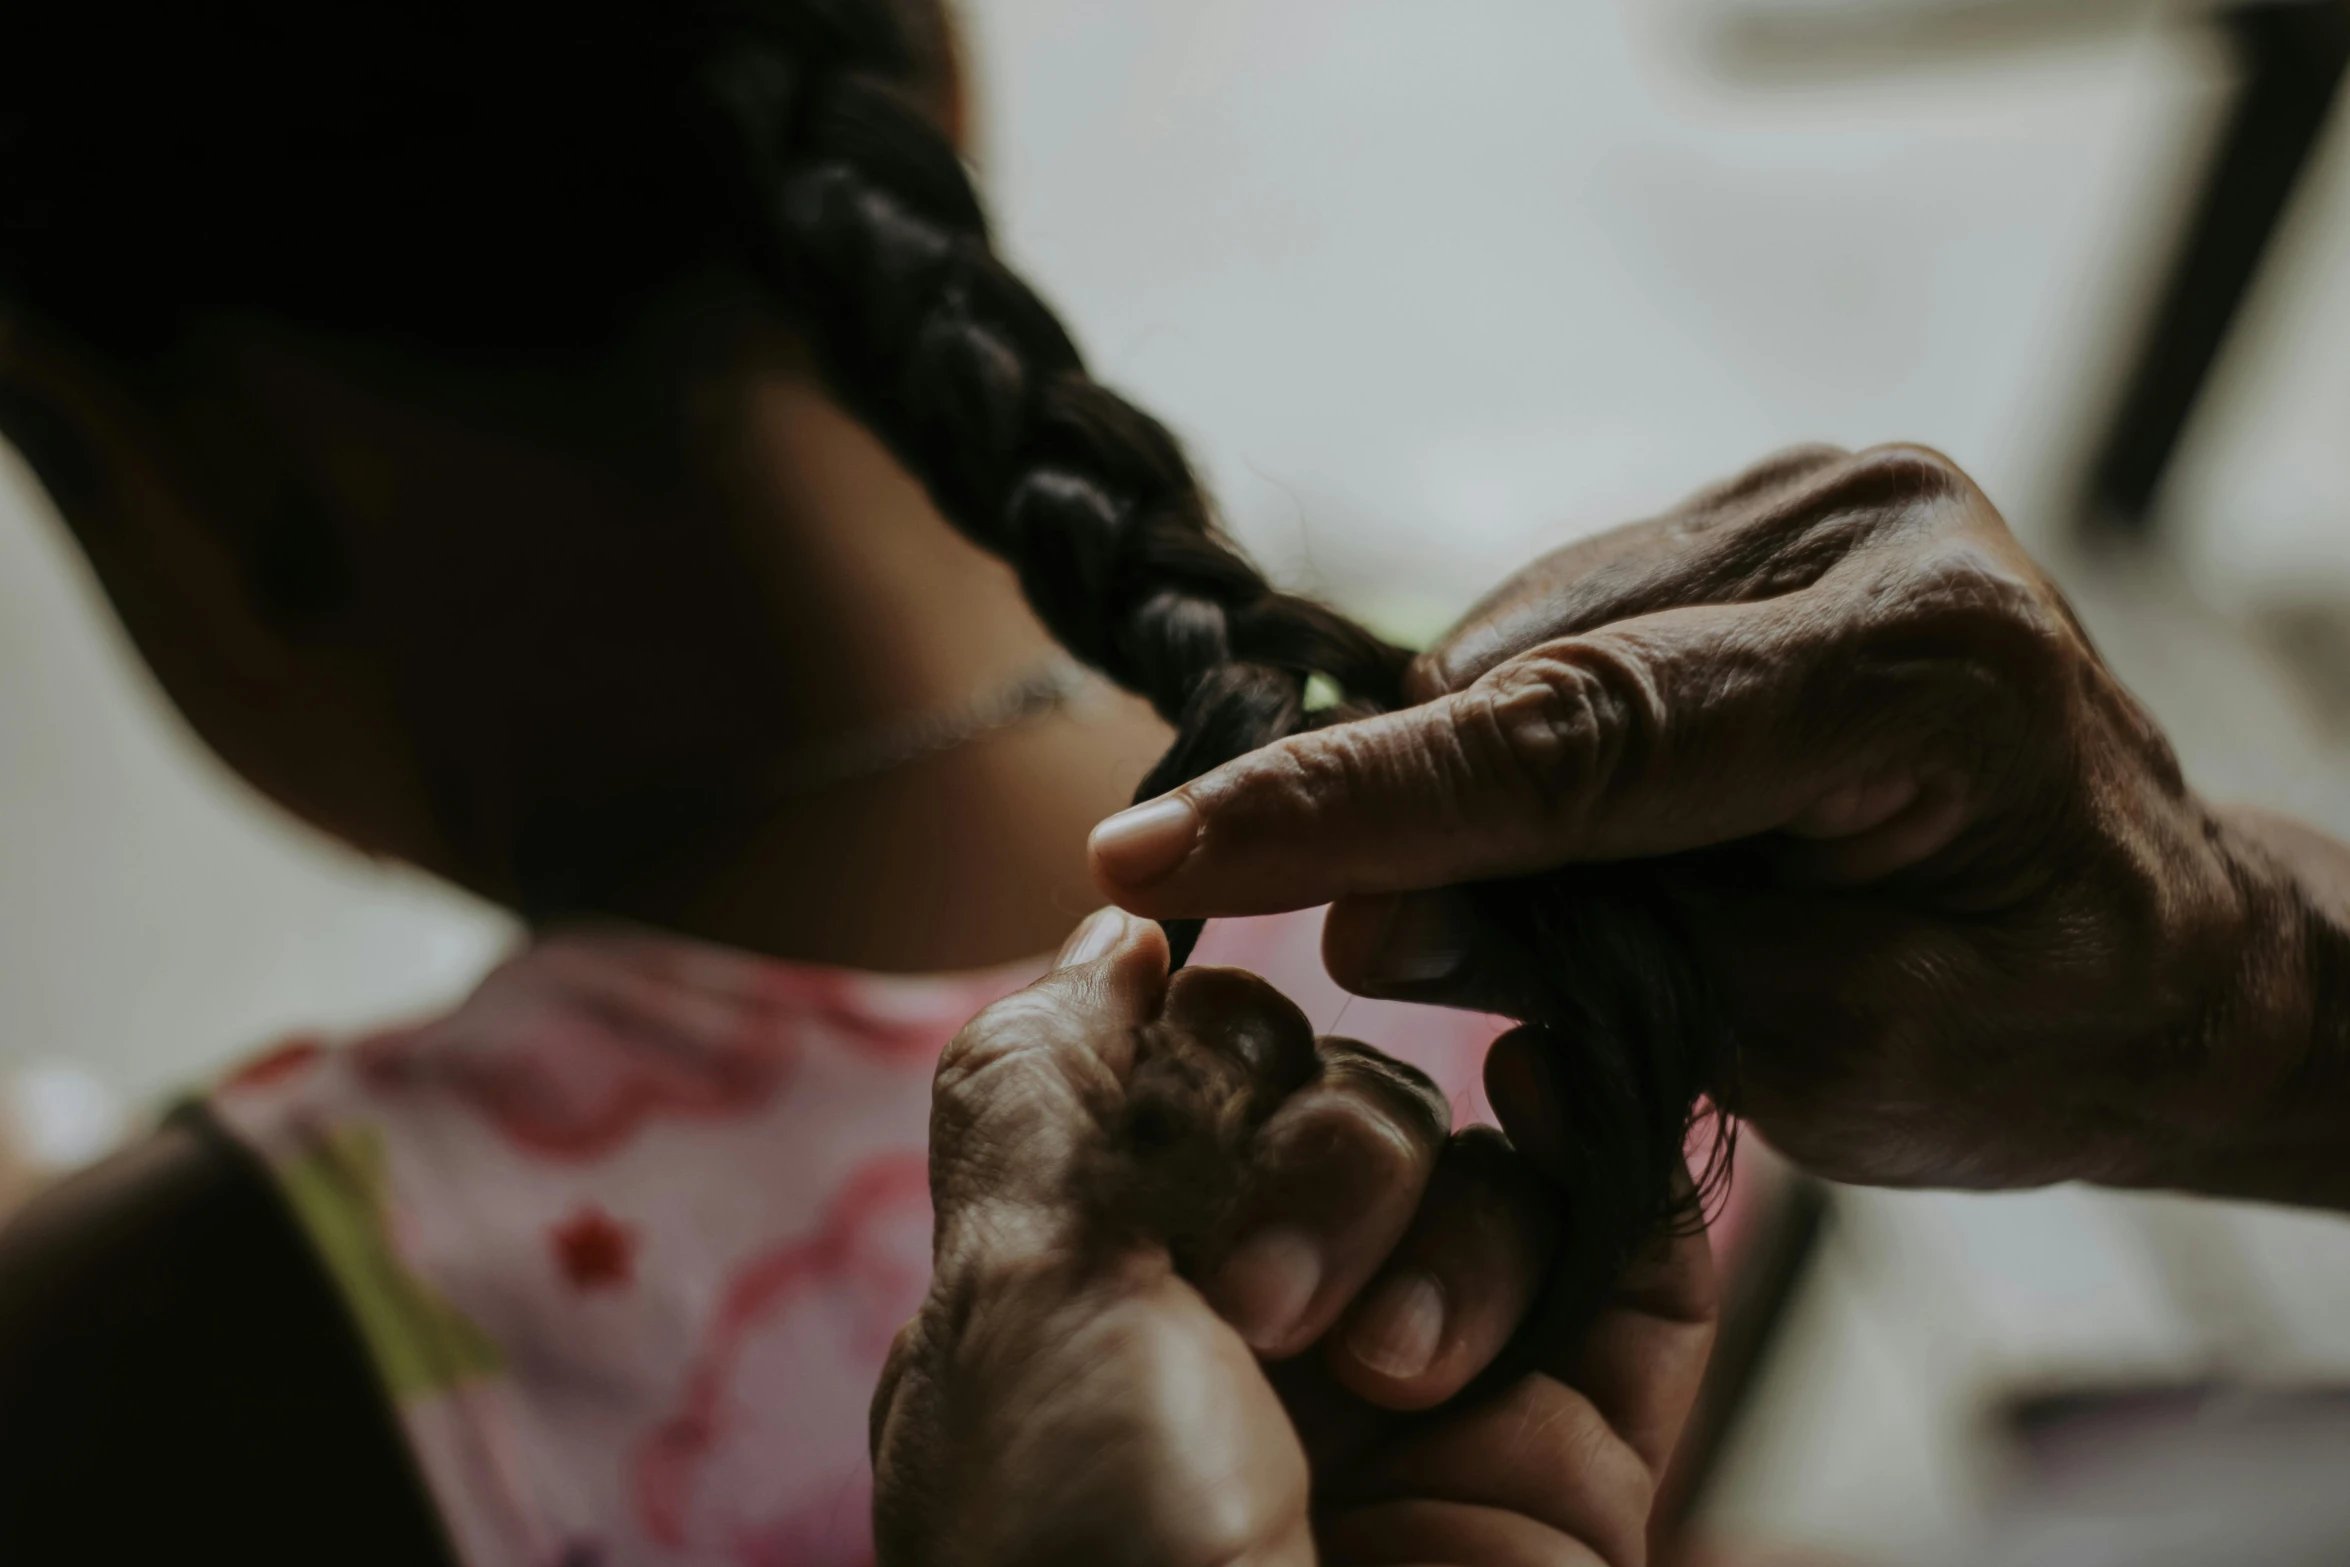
[[511, 180]]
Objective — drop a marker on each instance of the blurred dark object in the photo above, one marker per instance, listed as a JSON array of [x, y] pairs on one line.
[[1805, 40], [177, 1370], [2209, 1474], [2292, 54]]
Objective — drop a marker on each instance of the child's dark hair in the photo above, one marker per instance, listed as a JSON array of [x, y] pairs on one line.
[[518, 183]]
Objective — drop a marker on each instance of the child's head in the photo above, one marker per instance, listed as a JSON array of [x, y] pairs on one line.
[[391, 363]]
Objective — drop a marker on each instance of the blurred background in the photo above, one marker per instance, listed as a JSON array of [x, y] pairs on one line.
[[1431, 288]]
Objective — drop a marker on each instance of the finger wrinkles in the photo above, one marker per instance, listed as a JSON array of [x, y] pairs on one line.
[[1013, 1092], [1789, 536], [1268, 802], [1558, 725], [987, 1244], [1973, 667], [1001, 1056], [1783, 555], [1406, 1092], [1834, 504], [1401, 781]]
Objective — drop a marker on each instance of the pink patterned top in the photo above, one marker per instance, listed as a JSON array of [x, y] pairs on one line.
[[629, 1232]]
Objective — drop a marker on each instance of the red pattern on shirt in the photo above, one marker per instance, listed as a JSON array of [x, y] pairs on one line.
[[848, 1256], [594, 1250]]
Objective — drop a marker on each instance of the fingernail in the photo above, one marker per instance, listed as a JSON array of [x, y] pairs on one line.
[[1426, 939], [1136, 847], [1267, 1283], [1097, 935], [1399, 1328]]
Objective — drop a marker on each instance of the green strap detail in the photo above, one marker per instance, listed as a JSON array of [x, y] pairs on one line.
[[421, 1343]]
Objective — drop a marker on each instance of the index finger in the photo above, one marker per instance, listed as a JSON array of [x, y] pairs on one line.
[[1667, 732]]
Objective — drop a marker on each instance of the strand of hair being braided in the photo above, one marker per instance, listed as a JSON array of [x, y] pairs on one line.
[[868, 220]]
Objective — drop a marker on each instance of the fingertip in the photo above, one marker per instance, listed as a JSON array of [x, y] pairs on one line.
[[1137, 957], [1118, 958], [1392, 1338], [1353, 934], [1094, 936], [1143, 844], [1524, 1096]]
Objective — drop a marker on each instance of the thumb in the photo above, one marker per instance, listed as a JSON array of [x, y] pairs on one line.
[[1667, 732], [1019, 1089]]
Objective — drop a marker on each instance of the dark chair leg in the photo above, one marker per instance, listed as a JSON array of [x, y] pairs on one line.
[[2293, 53]]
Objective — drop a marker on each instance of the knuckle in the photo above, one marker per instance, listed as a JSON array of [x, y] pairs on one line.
[[1001, 1029], [1557, 725], [1390, 1090], [1821, 510], [1242, 1017], [1996, 633], [1791, 517]]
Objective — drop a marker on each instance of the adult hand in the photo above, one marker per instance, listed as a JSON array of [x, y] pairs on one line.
[[1973, 927], [1066, 1394]]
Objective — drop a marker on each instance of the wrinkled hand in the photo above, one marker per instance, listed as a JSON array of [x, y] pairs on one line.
[[1972, 925], [1066, 1395]]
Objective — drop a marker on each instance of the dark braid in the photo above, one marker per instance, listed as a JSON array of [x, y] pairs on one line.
[[868, 220], [869, 223]]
